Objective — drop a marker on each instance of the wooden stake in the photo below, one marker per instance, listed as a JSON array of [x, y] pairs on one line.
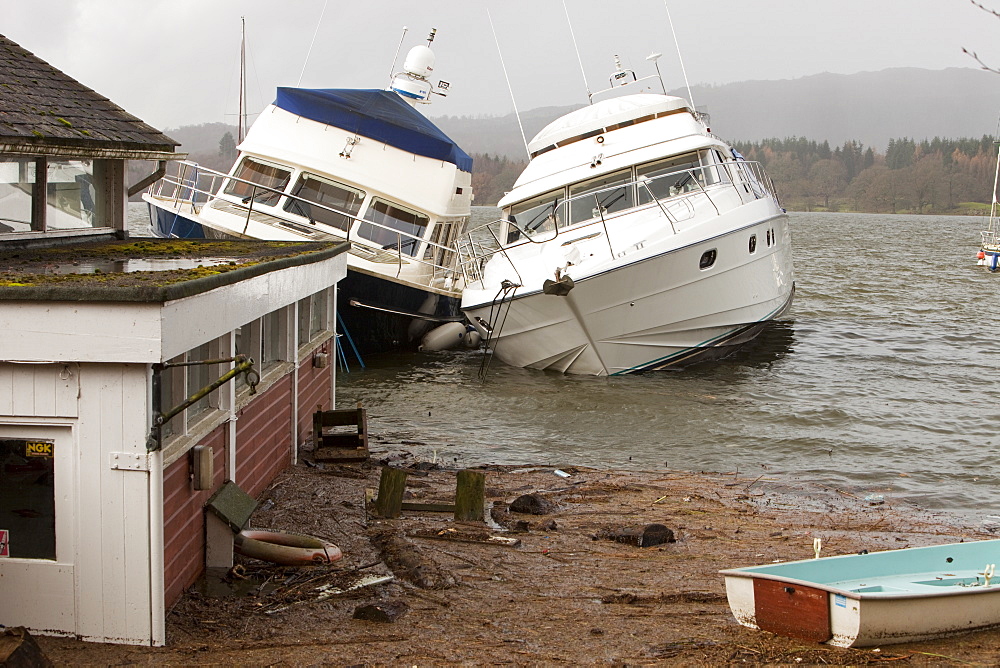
[[391, 485], [470, 496]]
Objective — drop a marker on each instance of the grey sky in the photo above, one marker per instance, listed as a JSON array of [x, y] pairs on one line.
[[175, 62]]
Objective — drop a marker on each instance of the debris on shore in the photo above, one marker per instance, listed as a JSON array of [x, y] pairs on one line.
[[621, 568]]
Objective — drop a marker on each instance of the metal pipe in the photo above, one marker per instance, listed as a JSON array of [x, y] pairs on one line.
[[146, 181], [208, 389]]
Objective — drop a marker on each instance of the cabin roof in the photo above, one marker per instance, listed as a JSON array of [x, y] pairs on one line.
[[604, 116], [377, 114], [44, 111]]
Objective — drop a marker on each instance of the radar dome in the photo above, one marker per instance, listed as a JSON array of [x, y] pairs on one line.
[[419, 61]]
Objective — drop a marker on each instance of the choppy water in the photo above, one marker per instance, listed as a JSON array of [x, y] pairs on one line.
[[881, 380]]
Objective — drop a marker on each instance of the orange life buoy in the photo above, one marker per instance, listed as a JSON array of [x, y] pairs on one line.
[[287, 549]]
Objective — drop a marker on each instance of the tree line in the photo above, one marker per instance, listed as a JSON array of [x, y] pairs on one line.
[[930, 176]]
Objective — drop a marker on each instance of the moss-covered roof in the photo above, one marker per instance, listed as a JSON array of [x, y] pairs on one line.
[[73, 272], [43, 110]]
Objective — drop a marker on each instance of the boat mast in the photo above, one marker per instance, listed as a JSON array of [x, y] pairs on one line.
[[679, 58], [996, 177], [590, 96], [242, 122], [503, 66]]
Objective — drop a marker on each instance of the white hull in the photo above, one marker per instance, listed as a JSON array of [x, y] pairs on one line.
[[885, 598], [653, 312]]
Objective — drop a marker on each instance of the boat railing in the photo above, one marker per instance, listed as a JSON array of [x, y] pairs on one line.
[[196, 186], [673, 193]]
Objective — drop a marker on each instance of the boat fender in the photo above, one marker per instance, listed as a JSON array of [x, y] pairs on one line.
[[443, 337], [287, 549], [981, 256], [472, 337]]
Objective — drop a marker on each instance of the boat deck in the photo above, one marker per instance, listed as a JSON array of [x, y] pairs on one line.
[[931, 584]]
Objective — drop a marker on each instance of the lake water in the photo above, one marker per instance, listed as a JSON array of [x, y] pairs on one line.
[[879, 381]]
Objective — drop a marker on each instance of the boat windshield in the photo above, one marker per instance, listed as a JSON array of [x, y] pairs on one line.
[[393, 217], [611, 193], [538, 214], [671, 177], [259, 173], [331, 194]]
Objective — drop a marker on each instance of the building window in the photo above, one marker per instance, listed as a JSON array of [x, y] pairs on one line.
[[198, 377], [266, 341], [177, 383], [314, 316], [73, 196]]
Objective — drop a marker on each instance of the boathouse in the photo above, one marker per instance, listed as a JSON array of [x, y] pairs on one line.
[[109, 448]]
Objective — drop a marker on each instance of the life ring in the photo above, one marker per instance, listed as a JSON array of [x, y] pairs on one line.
[[287, 549]]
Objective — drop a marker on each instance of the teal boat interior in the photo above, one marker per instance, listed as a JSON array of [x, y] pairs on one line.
[[956, 568]]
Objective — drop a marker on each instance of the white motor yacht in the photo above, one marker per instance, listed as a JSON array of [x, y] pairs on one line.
[[634, 240], [361, 166]]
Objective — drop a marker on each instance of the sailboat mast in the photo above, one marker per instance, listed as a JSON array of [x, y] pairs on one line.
[[243, 83]]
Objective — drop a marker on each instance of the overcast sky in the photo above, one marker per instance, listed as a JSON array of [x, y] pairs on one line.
[[176, 62]]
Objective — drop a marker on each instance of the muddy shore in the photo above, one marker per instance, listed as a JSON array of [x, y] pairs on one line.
[[558, 590]]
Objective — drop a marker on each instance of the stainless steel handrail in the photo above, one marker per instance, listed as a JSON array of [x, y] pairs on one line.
[[473, 253], [214, 192]]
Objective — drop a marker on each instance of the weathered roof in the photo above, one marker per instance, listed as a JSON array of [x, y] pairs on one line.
[[147, 270], [46, 112]]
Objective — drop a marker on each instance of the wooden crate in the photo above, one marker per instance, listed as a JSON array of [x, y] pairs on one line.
[[341, 435]]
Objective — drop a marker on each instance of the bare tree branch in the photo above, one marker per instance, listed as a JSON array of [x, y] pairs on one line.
[[973, 53]]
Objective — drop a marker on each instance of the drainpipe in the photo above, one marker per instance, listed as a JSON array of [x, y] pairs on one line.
[[156, 548], [149, 180]]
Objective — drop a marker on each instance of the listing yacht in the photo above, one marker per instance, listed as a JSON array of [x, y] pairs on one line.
[[359, 166], [634, 240]]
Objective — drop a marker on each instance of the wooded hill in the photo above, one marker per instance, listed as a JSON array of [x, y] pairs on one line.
[[857, 142]]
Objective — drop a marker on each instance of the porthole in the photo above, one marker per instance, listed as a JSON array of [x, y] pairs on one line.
[[707, 259], [753, 243], [769, 238]]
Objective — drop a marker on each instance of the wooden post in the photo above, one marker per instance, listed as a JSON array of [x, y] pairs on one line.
[[392, 484], [470, 496]]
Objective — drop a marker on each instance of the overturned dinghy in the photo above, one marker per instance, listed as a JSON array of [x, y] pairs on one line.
[[861, 600]]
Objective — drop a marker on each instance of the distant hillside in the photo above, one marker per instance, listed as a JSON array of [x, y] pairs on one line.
[[201, 143], [869, 107]]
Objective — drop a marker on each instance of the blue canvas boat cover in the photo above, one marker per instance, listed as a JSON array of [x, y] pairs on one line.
[[377, 114]]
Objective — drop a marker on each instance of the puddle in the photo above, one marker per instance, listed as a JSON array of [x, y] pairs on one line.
[[218, 583], [132, 265]]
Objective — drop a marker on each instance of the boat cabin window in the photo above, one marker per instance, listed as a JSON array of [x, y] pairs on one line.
[[671, 177], [346, 200], [538, 214], [389, 217], [268, 176], [607, 194]]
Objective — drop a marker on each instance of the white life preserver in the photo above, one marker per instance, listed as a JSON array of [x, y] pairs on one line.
[[287, 549]]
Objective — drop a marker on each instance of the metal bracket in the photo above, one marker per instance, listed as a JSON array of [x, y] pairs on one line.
[[243, 365], [129, 461]]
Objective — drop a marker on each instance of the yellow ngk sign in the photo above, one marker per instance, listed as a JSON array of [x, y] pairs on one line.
[[38, 448]]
